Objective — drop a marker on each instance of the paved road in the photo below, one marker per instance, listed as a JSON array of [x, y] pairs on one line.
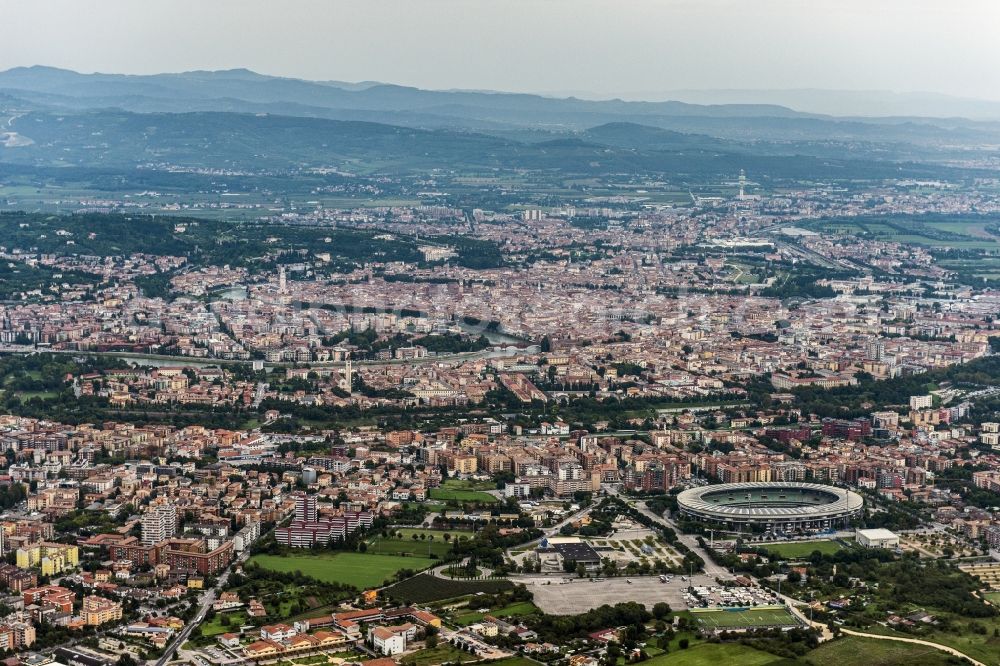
[[826, 634], [207, 599], [258, 396], [691, 541], [711, 568]]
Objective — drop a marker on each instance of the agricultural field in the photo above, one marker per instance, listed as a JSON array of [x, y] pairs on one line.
[[426, 588], [763, 616], [945, 231], [362, 570], [853, 650], [803, 549], [979, 266]]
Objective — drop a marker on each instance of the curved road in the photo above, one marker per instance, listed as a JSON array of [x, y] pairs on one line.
[[915, 641], [713, 569], [826, 634]]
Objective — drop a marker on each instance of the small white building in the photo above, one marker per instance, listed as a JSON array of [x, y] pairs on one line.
[[387, 642], [877, 538], [277, 632]]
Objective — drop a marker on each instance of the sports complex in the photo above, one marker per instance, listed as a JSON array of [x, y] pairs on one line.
[[778, 506]]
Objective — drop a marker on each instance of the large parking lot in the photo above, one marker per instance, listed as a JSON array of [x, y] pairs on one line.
[[715, 595], [557, 597]]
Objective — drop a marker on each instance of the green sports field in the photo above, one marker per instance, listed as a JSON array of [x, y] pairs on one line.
[[797, 549], [762, 616], [362, 570]]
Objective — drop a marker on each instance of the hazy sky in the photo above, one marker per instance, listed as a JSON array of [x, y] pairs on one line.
[[603, 46]]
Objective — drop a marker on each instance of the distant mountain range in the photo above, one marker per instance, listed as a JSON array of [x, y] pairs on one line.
[[241, 119], [241, 90], [846, 103]]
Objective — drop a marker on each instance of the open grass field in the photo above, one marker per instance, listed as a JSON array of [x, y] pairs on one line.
[[856, 651], [362, 570], [433, 542], [457, 495], [796, 549], [992, 597], [426, 588], [715, 654], [438, 655], [982, 646], [216, 625], [316, 659], [468, 484], [408, 533], [514, 661], [763, 616], [519, 609]]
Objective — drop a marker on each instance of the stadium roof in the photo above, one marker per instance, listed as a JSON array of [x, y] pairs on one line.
[[841, 501]]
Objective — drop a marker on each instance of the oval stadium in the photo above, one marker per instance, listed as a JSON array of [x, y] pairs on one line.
[[777, 506]]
